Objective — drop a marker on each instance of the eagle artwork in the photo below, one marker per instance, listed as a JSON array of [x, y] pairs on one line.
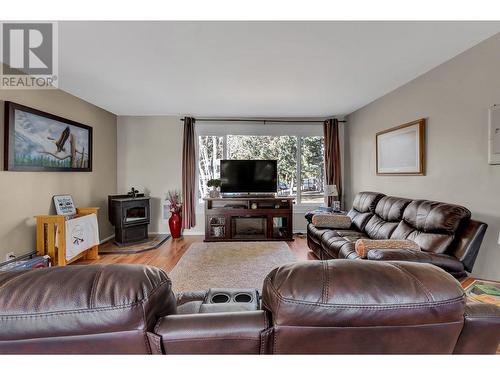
[[75, 156], [40, 141], [62, 140]]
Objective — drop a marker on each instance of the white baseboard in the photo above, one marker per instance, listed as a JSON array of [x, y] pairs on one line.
[[194, 233], [191, 233], [106, 239], [185, 233]]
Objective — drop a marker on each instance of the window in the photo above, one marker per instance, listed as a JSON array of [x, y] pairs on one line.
[[281, 148], [210, 152], [300, 159], [312, 169]]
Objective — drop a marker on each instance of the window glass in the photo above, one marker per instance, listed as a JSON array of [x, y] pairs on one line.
[[280, 148], [210, 152], [312, 170]]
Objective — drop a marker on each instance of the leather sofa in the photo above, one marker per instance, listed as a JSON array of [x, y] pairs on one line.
[[328, 307], [446, 234]]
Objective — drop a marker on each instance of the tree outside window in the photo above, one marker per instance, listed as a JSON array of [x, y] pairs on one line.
[[210, 152], [280, 148], [312, 170]]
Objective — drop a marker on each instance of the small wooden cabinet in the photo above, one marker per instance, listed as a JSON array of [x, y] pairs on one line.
[[248, 219], [51, 238]]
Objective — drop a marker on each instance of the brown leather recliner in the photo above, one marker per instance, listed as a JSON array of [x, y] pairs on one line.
[[331, 307], [82, 309], [447, 235]]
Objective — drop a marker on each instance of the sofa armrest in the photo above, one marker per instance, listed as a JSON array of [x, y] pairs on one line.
[[481, 331], [446, 262], [213, 333]]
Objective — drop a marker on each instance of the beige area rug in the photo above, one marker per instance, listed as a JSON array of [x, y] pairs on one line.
[[228, 265]]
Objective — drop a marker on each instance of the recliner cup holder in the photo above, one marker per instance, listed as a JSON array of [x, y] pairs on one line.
[[220, 298], [243, 298]]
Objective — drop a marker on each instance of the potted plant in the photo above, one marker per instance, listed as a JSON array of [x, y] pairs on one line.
[[214, 183], [174, 201]]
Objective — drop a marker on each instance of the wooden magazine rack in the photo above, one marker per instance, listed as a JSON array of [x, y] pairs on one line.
[[46, 228]]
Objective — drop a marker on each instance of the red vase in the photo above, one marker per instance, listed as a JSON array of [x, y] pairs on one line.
[[175, 224]]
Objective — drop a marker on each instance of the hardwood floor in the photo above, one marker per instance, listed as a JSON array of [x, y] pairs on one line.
[[168, 254]]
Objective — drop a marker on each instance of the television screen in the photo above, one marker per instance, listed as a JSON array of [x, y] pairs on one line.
[[249, 176]]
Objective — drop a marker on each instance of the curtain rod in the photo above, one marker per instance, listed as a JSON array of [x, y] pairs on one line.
[[257, 120]]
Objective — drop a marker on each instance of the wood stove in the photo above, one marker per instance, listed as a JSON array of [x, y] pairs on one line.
[[130, 214]]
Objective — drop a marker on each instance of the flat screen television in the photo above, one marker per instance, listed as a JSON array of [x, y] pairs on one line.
[[249, 176]]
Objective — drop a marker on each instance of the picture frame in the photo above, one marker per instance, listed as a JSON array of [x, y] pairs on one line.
[[64, 205], [42, 142], [401, 150]]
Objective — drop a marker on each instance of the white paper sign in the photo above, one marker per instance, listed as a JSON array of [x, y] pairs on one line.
[[494, 135], [64, 205]]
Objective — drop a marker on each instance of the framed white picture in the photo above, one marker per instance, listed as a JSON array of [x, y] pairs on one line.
[[494, 135], [401, 150]]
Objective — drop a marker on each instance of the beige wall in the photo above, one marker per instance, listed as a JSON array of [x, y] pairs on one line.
[[454, 98], [25, 194], [150, 159]]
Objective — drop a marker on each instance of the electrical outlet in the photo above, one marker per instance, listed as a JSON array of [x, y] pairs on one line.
[[9, 256]]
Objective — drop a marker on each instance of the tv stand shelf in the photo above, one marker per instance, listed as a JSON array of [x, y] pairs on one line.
[[249, 219]]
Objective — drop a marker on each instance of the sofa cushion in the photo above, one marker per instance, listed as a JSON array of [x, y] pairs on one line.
[[362, 293], [363, 207], [366, 201], [435, 217], [349, 252], [331, 221], [351, 235], [335, 242], [112, 304], [448, 263], [434, 242], [432, 225], [315, 234], [388, 213], [354, 307], [331, 243], [363, 246], [359, 219]]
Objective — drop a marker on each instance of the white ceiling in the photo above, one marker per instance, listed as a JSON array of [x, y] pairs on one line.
[[258, 69]]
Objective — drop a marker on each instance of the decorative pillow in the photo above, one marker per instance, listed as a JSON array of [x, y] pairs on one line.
[[331, 221], [363, 245]]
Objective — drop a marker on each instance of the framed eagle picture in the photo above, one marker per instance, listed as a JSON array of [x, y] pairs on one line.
[[40, 141]]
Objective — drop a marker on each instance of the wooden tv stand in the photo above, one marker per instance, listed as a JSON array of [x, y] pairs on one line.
[[249, 219]]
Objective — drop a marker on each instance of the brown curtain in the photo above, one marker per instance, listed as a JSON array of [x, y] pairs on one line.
[[188, 175], [332, 156]]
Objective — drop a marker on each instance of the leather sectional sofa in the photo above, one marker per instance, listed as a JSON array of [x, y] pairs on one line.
[[446, 234], [328, 307]]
